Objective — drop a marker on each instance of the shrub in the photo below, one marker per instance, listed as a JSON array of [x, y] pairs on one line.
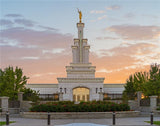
[[67, 106], [0, 109], [158, 108]]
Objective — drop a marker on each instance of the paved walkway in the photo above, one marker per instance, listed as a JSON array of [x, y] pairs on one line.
[[136, 121]]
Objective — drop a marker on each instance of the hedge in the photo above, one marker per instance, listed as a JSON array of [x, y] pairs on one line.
[[82, 107]]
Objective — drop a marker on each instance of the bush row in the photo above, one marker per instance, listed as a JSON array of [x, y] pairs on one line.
[[82, 107]]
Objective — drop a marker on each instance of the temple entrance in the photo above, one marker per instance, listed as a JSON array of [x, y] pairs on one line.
[[80, 94]]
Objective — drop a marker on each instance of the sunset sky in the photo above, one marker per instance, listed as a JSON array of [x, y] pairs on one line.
[[36, 35]]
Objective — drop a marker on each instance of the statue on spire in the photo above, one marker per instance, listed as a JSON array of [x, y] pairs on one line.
[[80, 15]]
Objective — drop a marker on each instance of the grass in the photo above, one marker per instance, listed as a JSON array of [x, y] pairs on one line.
[[154, 122], [4, 123]]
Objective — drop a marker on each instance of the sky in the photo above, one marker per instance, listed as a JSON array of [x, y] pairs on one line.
[[36, 35]]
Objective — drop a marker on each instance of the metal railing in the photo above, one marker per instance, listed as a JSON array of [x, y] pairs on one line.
[[145, 102], [43, 97], [14, 104], [112, 96]]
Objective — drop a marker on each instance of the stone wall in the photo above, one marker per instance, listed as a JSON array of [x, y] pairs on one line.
[[25, 105], [79, 115], [133, 104]]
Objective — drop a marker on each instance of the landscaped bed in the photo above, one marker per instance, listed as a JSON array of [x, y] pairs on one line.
[[94, 106], [83, 110]]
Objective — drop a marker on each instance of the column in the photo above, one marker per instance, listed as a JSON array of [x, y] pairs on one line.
[[20, 99], [61, 96], [139, 95], [20, 96], [4, 103], [153, 102], [101, 96]]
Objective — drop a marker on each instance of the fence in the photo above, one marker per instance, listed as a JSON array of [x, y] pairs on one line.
[[41, 97], [49, 97], [14, 104], [112, 96], [145, 102]]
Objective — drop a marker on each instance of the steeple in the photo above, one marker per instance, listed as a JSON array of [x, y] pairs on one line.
[[80, 49]]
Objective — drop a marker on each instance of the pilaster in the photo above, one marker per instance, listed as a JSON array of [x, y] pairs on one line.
[[4, 103], [153, 102]]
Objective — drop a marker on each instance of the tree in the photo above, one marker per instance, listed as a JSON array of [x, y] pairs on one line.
[[11, 82], [135, 83], [152, 87], [147, 82], [129, 88], [30, 95]]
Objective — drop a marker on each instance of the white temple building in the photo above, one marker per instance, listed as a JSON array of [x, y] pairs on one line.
[[80, 83]]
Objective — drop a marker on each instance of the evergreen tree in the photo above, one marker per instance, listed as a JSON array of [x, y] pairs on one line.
[[147, 82], [11, 82], [152, 87]]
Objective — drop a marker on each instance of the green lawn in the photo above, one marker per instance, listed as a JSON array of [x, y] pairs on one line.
[[154, 122], [4, 123]]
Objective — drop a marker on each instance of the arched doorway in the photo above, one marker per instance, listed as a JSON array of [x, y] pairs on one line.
[[80, 94]]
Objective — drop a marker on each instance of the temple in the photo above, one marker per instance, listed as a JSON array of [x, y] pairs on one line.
[[80, 83]]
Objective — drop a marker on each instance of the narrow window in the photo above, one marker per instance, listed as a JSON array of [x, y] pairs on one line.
[[65, 90], [61, 90], [100, 89], [96, 90]]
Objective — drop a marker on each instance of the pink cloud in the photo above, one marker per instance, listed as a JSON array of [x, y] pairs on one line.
[[113, 7], [135, 32], [43, 39]]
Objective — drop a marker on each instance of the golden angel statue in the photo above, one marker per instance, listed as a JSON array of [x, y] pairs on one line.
[[80, 15]]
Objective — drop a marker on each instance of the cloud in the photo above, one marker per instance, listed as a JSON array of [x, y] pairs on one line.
[[129, 15], [13, 15], [4, 22], [54, 51], [123, 57], [30, 58], [41, 39], [106, 38], [150, 16], [99, 18], [24, 22], [44, 74], [113, 7], [132, 50], [135, 32], [118, 63], [38, 52], [102, 17], [47, 28], [97, 11]]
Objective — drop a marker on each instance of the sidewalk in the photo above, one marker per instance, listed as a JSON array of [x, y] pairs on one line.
[[136, 121]]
